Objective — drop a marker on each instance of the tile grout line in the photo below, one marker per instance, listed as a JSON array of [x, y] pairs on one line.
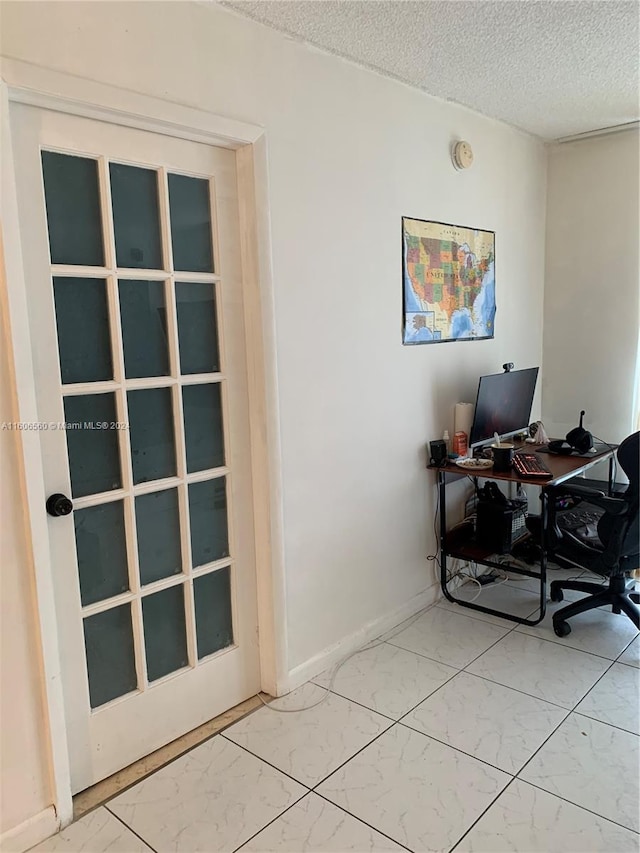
[[624, 663], [412, 708], [573, 648], [604, 722], [422, 734], [484, 811], [290, 806], [494, 643], [524, 693], [458, 749], [517, 690], [264, 760], [355, 817], [399, 722], [571, 803], [571, 711], [126, 825]]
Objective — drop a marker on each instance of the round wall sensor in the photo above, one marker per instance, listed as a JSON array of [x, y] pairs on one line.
[[462, 155]]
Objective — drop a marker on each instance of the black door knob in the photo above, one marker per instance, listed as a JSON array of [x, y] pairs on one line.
[[58, 505]]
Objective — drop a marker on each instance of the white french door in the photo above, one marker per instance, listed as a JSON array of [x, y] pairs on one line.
[[131, 250]]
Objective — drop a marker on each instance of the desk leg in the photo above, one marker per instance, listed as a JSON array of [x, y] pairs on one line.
[[443, 535], [611, 460], [544, 521]]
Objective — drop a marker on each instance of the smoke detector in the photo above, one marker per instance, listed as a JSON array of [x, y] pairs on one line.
[[462, 155]]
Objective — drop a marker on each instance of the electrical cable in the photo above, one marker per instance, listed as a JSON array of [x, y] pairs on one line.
[[402, 627]]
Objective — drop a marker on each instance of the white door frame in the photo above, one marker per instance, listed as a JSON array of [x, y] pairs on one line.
[[29, 84]]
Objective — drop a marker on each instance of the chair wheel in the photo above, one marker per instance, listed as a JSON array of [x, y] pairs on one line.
[[556, 594], [561, 629]]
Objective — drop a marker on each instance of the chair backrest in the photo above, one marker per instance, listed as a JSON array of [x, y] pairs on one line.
[[629, 460], [627, 528]]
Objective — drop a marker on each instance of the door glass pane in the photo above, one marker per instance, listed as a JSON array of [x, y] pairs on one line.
[[143, 314], [73, 209], [203, 426], [208, 513], [92, 443], [108, 639], [136, 219], [102, 551], [164, 631], [153, 454], [197, 328], [190, 223], [212, 594], [82, 318], [158, 525]]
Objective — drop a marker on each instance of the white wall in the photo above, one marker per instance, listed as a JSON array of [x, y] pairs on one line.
[[350, 152], [592, 297]]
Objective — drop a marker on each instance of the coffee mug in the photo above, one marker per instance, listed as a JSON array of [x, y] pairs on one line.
[[502, 456]]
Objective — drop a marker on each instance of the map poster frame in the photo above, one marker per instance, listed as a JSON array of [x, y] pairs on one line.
[[448, 282]]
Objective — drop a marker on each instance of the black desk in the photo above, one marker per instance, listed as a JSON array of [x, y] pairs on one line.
[[461, 544]]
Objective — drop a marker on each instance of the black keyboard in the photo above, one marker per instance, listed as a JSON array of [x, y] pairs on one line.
[[530, 465]]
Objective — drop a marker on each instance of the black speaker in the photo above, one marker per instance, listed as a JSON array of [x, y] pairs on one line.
[[438, 451]]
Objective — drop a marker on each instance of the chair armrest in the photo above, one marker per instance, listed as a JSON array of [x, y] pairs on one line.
[[614, 506]]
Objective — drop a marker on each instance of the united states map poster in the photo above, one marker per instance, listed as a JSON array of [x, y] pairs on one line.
[[449, 282]]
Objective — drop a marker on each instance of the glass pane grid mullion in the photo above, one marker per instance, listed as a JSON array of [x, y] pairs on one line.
[[172, 331], [70, 271], [140, 273], [79, 389], [150, 382], [213, 208], [200, 378], [160, 584], [123, 413], [190, 612], [208, 474], [153, 486], [207, 568], [107, 214], [107, 604], [181, 452], [197, 277], [165, 220], [183, 502], [99, 498]]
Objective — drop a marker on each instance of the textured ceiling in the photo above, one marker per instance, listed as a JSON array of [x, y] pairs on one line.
[[551, 67]]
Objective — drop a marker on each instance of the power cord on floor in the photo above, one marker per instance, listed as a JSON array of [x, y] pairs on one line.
[[431, 558], [338, 667]]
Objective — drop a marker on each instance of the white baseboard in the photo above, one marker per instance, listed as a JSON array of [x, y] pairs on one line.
[[30, 832], [335, 653]]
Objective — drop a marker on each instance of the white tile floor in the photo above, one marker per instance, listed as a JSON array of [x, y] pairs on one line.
[[459, 732]]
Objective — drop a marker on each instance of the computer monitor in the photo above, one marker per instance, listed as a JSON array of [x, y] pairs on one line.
[[503, 404]]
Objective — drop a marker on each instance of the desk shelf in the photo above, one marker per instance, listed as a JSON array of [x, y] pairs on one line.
[[461, 544]]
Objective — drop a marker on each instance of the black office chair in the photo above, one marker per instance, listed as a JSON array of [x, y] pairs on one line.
[[600, 534]]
